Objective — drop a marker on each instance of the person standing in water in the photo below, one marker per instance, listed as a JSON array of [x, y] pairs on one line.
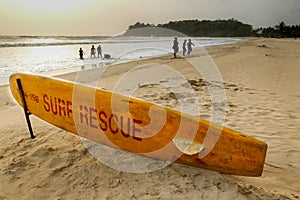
[[175, 46], [81, 52], [99, 50], [93, 51], [189, 46], [184, 47]]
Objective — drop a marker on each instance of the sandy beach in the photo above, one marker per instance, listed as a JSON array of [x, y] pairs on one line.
[[262, 85]]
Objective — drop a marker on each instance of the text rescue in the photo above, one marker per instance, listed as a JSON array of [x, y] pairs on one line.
[[97, 119]]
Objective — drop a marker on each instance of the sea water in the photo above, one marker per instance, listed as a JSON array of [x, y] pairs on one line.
[[56, 54]]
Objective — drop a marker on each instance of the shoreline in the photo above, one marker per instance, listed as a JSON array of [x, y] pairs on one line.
[[4, 80], [262, 101]]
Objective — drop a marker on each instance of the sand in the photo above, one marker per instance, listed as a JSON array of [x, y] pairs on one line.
[[262, 100]]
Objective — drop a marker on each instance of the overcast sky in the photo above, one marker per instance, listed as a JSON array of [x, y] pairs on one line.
[[111, 17]]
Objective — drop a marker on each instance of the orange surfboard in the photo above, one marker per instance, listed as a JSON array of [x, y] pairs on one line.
[[138, 126]]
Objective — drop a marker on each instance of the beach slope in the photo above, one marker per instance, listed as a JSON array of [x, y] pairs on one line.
[[262, 100]]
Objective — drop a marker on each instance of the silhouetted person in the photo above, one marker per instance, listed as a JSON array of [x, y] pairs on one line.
[[81, 52], [175, 46], [99, 50], [189, 46], [184, 47], [93, 51]]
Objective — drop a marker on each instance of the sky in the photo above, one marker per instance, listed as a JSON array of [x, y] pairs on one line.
[[112, 17]]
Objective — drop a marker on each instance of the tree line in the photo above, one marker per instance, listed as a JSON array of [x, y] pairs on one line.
[[223, 28], [279, 31]]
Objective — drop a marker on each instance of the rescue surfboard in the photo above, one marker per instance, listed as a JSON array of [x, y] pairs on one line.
[[138, 126]]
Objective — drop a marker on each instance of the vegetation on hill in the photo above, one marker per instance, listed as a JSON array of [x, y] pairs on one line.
[[216, 28], [280, 31]]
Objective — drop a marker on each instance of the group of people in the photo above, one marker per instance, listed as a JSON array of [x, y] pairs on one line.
[[186, 48], [187, 45], [93, 52]]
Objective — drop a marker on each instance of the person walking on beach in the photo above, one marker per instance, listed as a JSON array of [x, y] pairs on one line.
[[81, 52], [184, 47], [189, 46], [99, 50], [175, 46], [93, 51]]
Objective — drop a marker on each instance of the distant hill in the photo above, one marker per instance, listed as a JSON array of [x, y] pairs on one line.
[[193, 28], [212, 28]]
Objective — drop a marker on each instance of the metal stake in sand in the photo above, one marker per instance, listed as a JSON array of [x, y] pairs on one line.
[[26, 112]]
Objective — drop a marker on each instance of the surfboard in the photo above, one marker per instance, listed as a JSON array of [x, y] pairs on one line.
[[138, 126]]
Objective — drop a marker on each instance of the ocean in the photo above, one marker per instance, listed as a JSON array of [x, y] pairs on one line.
[[53, 55]]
